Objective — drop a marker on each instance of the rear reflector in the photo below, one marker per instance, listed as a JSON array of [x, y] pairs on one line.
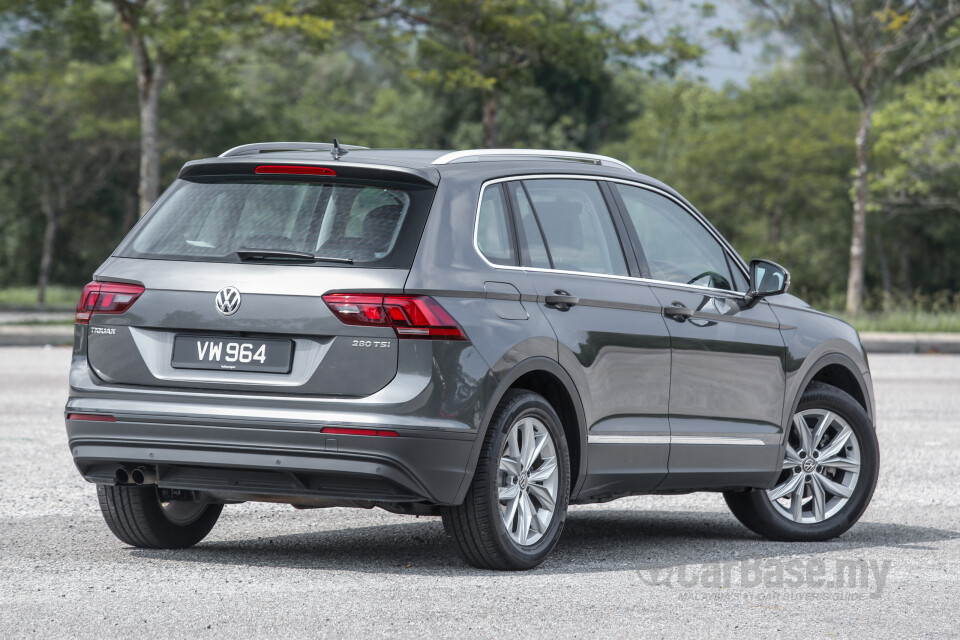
[[410, 316], [106, 297], [94, 417], [343, 431], [295, 170]]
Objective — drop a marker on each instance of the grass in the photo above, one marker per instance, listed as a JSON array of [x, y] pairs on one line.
[[908, 321], [58, 297]]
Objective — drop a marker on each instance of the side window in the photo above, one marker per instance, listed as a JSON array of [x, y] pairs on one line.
[[575, 220], [494, 233], [677, 247], [536, 250]]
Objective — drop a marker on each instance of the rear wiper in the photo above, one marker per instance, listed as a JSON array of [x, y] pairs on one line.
[[280, 255]]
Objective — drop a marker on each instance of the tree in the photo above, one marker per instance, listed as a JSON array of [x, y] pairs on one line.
[[162, 35], [869, 46], [60, 117], [917, 183], [776, 193]]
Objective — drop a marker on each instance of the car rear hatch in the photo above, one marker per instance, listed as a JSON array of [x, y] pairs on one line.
[[228, 273]]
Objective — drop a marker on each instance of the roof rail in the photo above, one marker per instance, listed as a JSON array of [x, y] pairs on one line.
[[260, 147], [473, 155]]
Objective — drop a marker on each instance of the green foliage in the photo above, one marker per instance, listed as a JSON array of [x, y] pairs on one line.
[[918, 147], [768, 165]]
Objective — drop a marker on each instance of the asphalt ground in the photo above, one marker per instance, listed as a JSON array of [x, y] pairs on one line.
[[651, 566]]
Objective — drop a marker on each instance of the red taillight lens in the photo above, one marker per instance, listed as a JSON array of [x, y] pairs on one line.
[[294, 170], [344, 431], [106, 297], [93, 417], [410, 316]]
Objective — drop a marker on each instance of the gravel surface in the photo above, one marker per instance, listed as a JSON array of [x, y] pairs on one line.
[[658, 566]]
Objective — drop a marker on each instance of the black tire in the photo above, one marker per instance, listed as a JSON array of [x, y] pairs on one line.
[[476, 525], [754, 509], [137, 517]]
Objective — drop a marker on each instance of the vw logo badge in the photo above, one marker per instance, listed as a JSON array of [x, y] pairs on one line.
[[228, 301]]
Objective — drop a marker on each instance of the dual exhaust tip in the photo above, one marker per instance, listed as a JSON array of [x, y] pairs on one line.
[[137, 475]]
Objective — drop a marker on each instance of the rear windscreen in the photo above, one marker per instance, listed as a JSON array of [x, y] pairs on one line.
[[210, 220]]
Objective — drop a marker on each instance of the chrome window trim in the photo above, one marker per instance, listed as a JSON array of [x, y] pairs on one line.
[[551, 176]]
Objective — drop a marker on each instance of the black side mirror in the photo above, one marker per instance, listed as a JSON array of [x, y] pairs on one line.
[[766, 279]]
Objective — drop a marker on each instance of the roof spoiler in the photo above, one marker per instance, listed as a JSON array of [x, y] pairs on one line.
[[262, 147]]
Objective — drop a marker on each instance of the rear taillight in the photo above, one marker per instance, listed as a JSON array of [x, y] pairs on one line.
[[410, 316], [106, 297]]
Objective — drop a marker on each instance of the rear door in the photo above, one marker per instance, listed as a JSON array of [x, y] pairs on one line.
[[727, 376], [612, 338], [233, 293]]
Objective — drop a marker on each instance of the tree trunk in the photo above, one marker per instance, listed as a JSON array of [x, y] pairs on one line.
[[150, 82], [46, 254], [859, 235], [776, 220], [906, 288], [491, 106], [885, 279]]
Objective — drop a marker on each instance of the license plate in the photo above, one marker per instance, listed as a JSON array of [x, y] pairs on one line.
[[232, 354]]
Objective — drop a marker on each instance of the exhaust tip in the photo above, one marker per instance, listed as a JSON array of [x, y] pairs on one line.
[[122, 476], [143, 475]]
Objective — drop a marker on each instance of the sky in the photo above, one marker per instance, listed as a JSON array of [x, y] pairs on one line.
[[720, 65]]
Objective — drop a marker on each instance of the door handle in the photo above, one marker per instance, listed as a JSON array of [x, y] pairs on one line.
[[678, 312], [561, 300]]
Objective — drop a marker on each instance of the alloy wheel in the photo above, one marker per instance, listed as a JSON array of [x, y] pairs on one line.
[[821, 466], [527, 481]]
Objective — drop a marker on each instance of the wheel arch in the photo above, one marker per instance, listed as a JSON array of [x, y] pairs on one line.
[[546, 377], [837, 370]]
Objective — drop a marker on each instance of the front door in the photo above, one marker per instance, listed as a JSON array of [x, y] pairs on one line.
[[727, 378]]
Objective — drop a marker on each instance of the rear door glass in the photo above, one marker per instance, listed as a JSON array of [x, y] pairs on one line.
[[579, 231]]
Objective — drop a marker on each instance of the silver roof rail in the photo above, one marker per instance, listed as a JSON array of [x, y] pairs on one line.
[[259, 147], [470, 154]]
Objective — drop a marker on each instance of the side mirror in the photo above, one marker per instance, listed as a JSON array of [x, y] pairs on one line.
[[766, 279]]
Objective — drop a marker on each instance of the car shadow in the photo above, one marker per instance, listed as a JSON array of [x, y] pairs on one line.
[[592, 542]]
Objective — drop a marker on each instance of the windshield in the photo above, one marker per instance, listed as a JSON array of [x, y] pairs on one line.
[[369, 224]]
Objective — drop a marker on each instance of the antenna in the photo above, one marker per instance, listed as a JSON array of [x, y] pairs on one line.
[[338, 152]]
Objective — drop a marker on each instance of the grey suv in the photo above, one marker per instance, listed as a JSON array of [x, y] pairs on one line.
[[488, 336]]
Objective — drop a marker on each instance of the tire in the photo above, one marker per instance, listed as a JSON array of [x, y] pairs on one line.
[[825, 512], [137, 517], [479, 526]]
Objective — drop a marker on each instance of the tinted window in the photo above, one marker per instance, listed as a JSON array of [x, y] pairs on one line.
[[576, 223], [210, 220], [494, 237], [533, 240], [677, 247]]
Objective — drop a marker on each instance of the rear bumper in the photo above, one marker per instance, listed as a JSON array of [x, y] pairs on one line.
[[272, 462], [271, 446]]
